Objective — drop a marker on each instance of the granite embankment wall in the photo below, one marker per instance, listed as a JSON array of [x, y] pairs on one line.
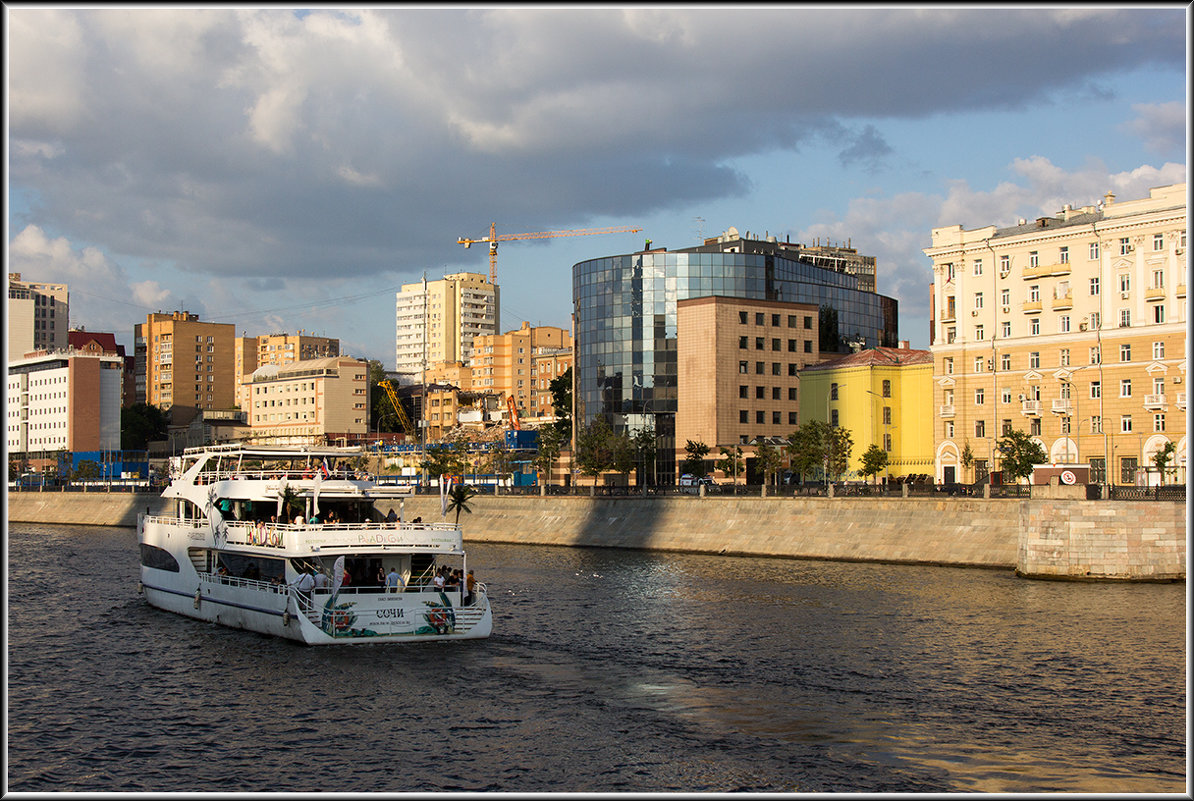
[[1040, 538]]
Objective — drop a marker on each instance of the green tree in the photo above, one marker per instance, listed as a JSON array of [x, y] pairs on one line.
[[694, 462], [499, 460], [807, 447], [561, 403], [1161, 458], [967, 455], [88, 469], [458, 498], [141, 424], [732, 464], [1019, 453], [551, 443], [873, 461], [623, 455], [768, 459], [645, 448], [841, 443], [441, 460], [594, 453]]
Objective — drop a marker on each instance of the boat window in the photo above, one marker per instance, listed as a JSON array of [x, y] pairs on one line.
[[251, 567], [152, 556]]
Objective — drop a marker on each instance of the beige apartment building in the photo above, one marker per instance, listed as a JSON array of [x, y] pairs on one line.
[[38, 315], [738, 367], [437, 321], [1071, 328], [182, 361], [308, 402], [280, 349], [506, 363]]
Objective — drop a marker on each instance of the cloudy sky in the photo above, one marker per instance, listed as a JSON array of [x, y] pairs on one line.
[[286, 170]]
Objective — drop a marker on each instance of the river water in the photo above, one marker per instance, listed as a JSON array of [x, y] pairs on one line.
[[608, 671]]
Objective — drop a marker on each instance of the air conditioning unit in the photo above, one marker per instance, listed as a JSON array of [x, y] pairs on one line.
[[1007, 309], [974, 313], [1125, 295], [990, 364], [1177, 379], [1082, 326]]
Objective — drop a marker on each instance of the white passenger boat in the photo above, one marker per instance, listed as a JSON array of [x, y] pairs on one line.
[[225, 552]]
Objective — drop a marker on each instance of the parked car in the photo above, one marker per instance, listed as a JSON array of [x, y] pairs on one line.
[[692, 484]]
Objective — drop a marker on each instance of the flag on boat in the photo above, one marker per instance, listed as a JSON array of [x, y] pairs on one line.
[[323, 469], [445, 487], [281, 495], [315, 491], [337, 575]]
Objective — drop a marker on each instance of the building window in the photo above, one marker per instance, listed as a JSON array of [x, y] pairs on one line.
[[758, 343], [978, 300], [1005, 297], [1034, 326], [1034, 260], [1125, 318], [978, 266], [833, 391], [1096, 424], [1125, 387], [1094, 286], [792, 369], [1125, 246], [887, 442], [743, 367], [791, 393], [980, 429], [1065, 425], [1125, 353], [886, 415], [833, 418], [980, 396], [1094, 250], [1064, 357], [1158, 350], [1034, 360], [1034, 427], [808, 323], [760, 392], [743, 414], [949, 365], [775, 344], [1158, 314], [1125, 424], [1006, 428], [775, 418], [775, 319], [978, 364], [1158, 279], [743, 343], [1005, 264], [1005, 361], [1034, 293], [808, 346], [1158, 422], [791, 418], [1005, 329], [775, 368], [951, 334], [758, 318], [1096, 320], [791, 346], [1127, 470], [1063, 256], [791, 321], [742, 391], [1063, 324], [1096, 390], [886, 388], [978, 333], [949, 429], [742, 317], [1095, 356], [760, 417], [759, 368]]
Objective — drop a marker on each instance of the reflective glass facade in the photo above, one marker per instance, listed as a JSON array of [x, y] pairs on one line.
[[625, 322]]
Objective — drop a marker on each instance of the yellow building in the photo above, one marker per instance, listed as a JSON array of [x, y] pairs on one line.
[[185, 362], [508, 364], [1070, 328], [880, 395], [309, 402], [252, 352]]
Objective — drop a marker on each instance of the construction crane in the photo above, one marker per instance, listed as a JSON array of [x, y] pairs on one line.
[[403, 420], [493, 240]]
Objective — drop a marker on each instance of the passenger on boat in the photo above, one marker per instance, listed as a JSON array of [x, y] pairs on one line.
[[321, 579], [470, 585], [439, 578], [305, 582], [394, 581], [313, 520], [392, 517]]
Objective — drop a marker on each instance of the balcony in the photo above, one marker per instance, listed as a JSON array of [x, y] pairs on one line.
[[1030, 408], [1181, 290], [948, 316], [1032, 307], [1181, 400], [1065, 301], [1154, 293], [1045, 270], [1155, 401], [946, 411], [1062, 406]]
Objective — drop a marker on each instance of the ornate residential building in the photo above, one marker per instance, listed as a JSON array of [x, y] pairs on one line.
[[1071, 328]]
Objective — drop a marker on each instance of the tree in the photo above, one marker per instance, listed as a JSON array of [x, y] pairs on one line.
[[561, 402], [694, 462], [458, 498], [732, 464], [290, 502], [551, 442], [841, 443], [622, 454], [769, 459], [593, 452], [645, 448], [807, 447], [873, 461], [87, 469], [967, 455], [499, 460], [1019, 453], [1161, 458], [141, 424], [441, 460]]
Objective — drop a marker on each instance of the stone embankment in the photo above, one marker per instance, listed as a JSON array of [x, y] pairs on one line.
[[1040, 538]]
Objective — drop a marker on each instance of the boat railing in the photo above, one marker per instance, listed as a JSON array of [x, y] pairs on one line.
[[278, 535], [212, 476]]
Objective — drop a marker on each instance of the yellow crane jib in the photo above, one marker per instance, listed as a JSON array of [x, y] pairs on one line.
[[493, 240], [403, 420]]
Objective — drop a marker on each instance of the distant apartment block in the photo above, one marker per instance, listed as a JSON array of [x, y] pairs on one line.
[[63, 400], [181, 361], [281, 349], [437, 321], [38, 316], [104, 343], [1070, 328], [509, 364], [308, 402]]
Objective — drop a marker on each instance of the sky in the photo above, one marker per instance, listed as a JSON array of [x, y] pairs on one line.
[[288, 170]]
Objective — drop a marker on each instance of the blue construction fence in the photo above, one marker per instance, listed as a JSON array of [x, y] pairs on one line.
[[111, 464]]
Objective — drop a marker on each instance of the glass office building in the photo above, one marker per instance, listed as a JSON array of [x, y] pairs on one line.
[[625, 325]]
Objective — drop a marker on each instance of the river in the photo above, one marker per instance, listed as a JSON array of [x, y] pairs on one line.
[[608, 671]]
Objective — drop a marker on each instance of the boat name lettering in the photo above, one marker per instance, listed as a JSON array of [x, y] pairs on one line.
[[391, 612]]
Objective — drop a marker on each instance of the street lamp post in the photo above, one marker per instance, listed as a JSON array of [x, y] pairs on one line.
[[887, 432]]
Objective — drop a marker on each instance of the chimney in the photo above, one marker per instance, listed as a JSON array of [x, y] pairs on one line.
[[905, 344]]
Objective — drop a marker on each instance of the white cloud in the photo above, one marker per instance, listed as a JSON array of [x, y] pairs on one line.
[[1160, 126], [46, 89]]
